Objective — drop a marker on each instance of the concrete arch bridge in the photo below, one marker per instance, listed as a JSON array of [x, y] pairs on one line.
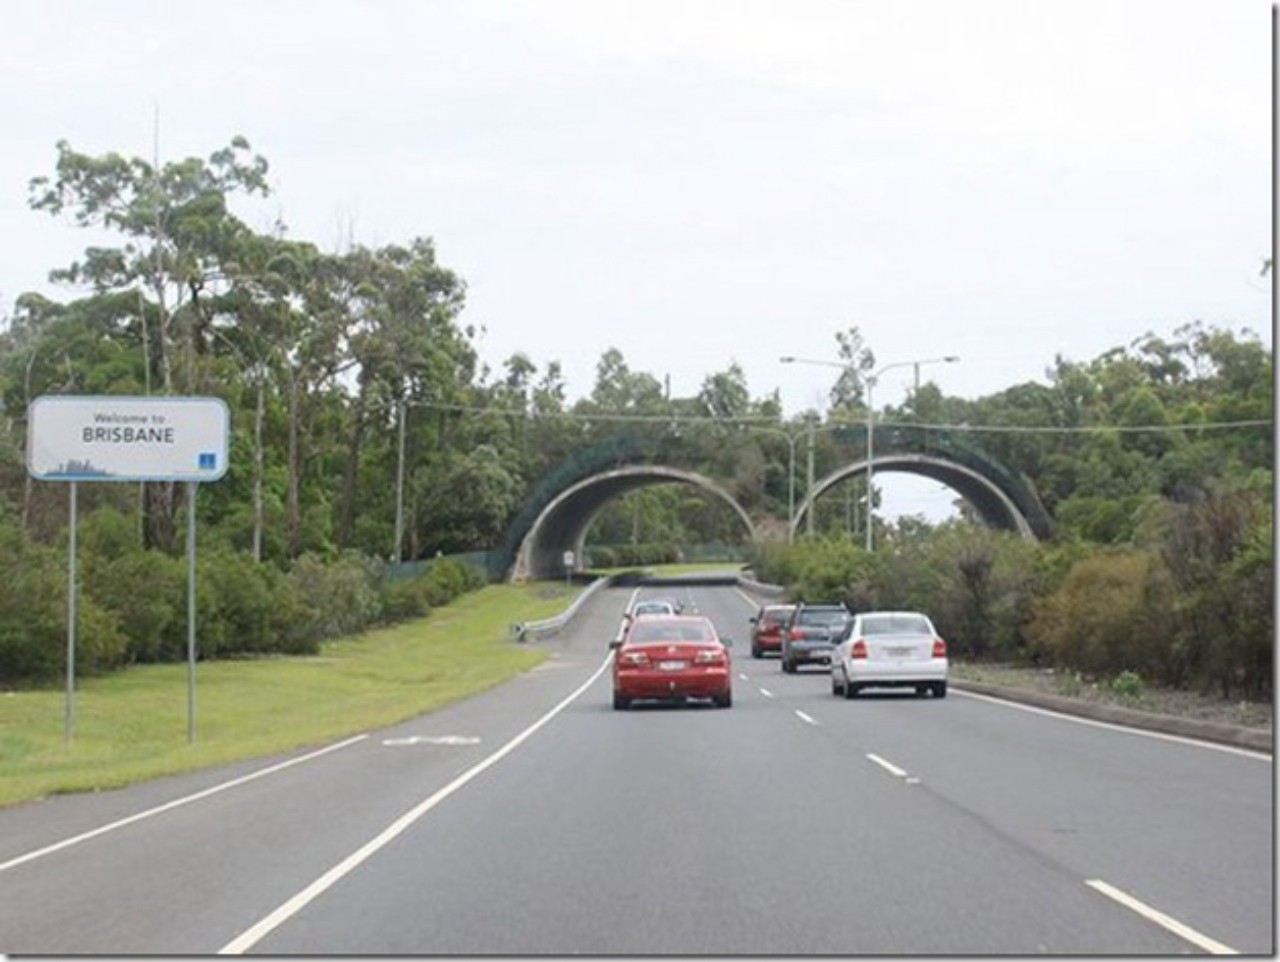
[[558, 512]]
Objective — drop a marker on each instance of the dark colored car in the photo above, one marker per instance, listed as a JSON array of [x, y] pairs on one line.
[[671, 658], [811, 633], [767, 626]]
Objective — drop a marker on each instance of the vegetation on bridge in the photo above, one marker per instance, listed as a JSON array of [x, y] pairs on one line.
[[335, 363]]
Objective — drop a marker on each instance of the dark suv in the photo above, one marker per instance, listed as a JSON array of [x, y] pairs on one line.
[[810, 634]]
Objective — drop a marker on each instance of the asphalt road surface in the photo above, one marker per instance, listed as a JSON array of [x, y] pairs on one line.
[[535, 819]]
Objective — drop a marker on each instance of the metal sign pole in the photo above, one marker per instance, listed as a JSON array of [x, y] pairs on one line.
[[70, 713], [191, 611]]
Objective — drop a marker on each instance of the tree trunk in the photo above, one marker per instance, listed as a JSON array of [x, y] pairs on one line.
[[294, 523]]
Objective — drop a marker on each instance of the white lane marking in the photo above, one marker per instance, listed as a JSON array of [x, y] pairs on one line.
[[766, 692], [889, 767], [430, 740], [176, 803], [744, 676], [1164, 921], [256, 933], [1180, 739], [807, 719]]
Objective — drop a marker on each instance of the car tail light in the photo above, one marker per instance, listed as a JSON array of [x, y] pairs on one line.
[[939, 648], [709, 656], [635, 658], [796, 633], [859, 649]]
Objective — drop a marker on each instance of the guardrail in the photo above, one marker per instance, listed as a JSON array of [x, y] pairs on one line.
[[533, 630]]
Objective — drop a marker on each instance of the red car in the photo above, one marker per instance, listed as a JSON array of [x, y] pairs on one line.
[[671, 658], [767, 627]]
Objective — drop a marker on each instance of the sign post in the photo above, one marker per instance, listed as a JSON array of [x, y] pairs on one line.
[[104, 438]]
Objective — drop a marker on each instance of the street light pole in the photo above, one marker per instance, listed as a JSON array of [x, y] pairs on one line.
[[871, 383], [871, 416]]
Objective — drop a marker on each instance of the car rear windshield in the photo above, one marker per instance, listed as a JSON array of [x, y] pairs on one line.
[[896, 625], [653, 608], [665, 631], [819, 616]]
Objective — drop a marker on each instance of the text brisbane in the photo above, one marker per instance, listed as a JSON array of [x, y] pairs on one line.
[[129, 435]]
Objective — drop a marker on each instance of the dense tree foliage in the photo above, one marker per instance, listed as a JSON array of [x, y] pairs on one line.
[[366, 429]]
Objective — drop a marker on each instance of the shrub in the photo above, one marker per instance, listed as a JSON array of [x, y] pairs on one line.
[[1111, 614], [1128, 685], [336, 599], [146, 590], [33, 617]]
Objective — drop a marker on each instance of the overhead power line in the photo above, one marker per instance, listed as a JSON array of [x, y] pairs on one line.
[[748, 421]]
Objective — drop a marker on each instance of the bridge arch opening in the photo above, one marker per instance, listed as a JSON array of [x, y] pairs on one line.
[[992, 504], [563, 524]]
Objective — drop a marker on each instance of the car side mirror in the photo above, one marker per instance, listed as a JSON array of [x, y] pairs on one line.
[[727, 642], [615, 644]]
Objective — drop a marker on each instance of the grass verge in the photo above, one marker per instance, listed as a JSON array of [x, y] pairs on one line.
[[132, 725]]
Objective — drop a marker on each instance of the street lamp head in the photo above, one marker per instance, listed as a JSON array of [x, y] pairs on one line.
[[787, 360]]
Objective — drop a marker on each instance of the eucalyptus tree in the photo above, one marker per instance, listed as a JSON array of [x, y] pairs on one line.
[[401, 308], [177, 232]]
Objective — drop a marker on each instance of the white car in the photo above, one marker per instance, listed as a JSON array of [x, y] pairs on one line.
[[890, 649], [644, 609]]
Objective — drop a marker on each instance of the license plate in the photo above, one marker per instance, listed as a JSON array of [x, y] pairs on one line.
[[672, 665], [899, 652]]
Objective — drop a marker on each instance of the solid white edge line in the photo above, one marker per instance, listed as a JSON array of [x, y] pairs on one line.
[[889, 767], [176, 803], [1164, 921], [251, 936], [1147, 733]]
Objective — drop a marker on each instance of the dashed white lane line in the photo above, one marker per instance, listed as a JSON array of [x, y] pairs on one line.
[[1159, 918], [807, 719], [176, 803], [889, 767], [766, 692]]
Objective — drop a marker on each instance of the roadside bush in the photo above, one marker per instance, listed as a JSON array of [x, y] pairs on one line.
[[335, 599], [833, 568], [1128, 685], [975, 583], [33, 617], [146, 591], [244, 607], [1111, 614], [440, 583]]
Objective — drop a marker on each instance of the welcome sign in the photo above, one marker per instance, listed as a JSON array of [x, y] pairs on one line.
[[108, 438]]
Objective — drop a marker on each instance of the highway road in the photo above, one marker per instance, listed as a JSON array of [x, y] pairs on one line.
[[534, 819]]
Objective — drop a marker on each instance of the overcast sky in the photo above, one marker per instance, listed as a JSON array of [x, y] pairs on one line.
[[699, 183]]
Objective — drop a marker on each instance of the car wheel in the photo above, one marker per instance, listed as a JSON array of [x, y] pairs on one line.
[[922, 690], [724, 701], [788, 665], [850, 689], [621, 701], [940, 689], [756, 652], [835, 684]]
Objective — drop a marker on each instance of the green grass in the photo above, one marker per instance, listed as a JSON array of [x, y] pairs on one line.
[[132, 725]]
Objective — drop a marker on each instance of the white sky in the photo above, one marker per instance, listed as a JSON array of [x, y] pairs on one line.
[[698, 183]]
